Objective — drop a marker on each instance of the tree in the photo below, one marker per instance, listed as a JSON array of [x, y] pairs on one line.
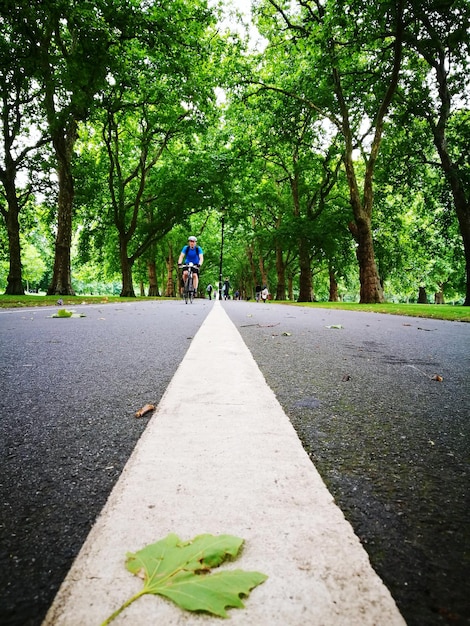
[[157, 105], [22, 135], [294, 166], [438, 31], [417, 241], [74, 45], [344, 63]]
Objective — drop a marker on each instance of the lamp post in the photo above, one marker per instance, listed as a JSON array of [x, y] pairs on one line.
[[221, 252]]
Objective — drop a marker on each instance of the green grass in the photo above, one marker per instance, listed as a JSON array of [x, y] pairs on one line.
[[15, 302], [433, 311]]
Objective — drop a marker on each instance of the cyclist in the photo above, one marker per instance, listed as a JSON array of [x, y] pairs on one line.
[[192, 253]]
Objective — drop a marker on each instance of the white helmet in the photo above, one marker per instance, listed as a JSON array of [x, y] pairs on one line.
[[192, 238]]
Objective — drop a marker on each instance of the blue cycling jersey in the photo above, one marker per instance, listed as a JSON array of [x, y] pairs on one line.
[[191, 255]]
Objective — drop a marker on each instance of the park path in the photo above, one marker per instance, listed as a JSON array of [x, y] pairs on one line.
[[221, 457]]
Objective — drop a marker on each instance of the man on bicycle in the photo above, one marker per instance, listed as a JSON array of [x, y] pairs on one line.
[[192, 253]]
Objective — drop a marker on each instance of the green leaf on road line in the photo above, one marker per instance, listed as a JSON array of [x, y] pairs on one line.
[[63, 313], [180, 571]]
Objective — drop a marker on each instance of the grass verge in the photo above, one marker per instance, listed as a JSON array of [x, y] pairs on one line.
[[434, 311], [15, 302]]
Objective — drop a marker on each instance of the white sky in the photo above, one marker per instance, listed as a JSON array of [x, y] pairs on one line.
[[244, 6]]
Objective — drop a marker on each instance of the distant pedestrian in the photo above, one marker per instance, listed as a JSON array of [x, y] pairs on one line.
[[258, 292], [209, 289], [264, 294], [236, 295], [226, 289]]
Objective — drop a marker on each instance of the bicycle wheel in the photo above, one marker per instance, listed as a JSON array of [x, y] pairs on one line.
[[190, 289], [186, 290]]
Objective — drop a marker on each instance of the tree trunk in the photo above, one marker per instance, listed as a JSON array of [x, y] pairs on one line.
[[333, 286], [290, 287], [126, 271], [14, 281], [153, 282], [64, 142], [422, 296], [371, 291], [281, 275], [462, 208], [254, 280], [305, 279], [170, 284], [262, 270]]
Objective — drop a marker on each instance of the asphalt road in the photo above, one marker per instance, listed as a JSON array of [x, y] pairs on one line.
[[391, 443], [69, 392]]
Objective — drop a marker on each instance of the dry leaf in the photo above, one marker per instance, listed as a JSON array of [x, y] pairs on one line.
[[145, 409], [437, 377]]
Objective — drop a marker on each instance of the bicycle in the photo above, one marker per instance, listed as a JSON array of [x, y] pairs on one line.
[[188, 288]]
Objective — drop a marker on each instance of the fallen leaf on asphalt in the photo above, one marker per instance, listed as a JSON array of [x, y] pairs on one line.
[[145, 409], [449, 615], [286, 334], [260, 325], [346, 377], [334, 326], [437, 377]]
